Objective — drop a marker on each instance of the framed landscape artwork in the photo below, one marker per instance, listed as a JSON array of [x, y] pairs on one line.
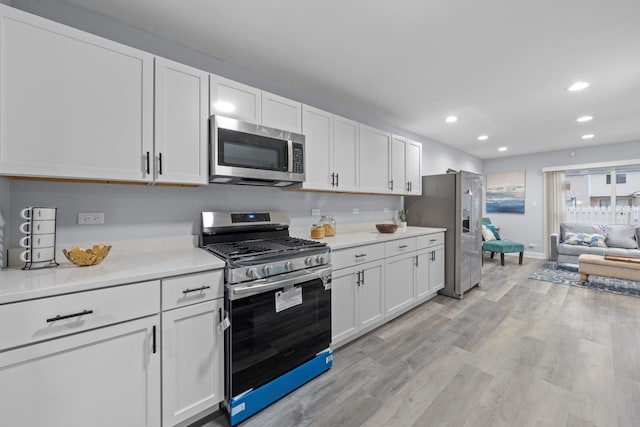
[[505, 192]]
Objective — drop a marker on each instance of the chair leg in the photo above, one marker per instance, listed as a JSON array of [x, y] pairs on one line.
[[502, 259], [492, 254], [521, 255]]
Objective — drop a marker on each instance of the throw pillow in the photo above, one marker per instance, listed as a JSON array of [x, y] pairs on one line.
[[622, 236], [487, 234], [494, 231], [585, 239]]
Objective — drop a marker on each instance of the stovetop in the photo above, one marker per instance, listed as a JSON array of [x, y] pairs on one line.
[[258, 247]]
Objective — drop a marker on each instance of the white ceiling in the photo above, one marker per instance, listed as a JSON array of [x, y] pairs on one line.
[[501, 66]]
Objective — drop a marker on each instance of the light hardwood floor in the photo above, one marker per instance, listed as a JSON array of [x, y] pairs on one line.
[[513, 352]]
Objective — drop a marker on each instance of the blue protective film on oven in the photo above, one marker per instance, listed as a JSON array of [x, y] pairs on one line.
[[249, 403]]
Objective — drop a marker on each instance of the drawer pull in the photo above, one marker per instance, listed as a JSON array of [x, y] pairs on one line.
[[432, 240], [360, 255], [402, 246], [69, 316], [201, 288]]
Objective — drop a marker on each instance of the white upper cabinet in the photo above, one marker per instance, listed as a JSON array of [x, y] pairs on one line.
[[181, 123], [413, 167], [374, 160], [74, 105], [317, 126], [236, 100], [281, 113], [397, 164], [346, 143]]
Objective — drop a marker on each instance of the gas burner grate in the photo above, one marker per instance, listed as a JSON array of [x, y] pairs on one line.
[[245, 248]]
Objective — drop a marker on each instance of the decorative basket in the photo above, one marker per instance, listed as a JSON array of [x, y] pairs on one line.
[[83, 258]]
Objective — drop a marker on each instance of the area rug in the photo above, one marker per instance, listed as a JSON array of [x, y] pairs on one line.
[[568, 275]]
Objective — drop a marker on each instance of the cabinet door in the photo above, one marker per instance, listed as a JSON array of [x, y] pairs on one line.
[[192, 352], [371, 295], [105, 377], [374, 160], [317, 126], [399, 183], [436, 269], [346, 142], [399, 275], [74, 105], [344, 316], [422, 279], [413, 167], [281, 113], [236, 100], [181, 123]]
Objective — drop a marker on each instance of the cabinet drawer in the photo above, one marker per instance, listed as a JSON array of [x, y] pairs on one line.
[[192, 288], [397, 247], [430, 240], [357, 255], [31, 321]]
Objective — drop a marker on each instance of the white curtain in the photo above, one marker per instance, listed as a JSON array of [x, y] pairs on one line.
[[555, 194]]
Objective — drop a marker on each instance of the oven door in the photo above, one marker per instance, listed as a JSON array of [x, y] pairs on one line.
[[277, 324], [247, 151]]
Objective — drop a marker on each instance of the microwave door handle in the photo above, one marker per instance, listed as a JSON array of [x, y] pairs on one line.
[[290, 156]]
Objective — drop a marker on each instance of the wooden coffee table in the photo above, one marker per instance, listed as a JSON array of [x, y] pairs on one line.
[[627, 268]]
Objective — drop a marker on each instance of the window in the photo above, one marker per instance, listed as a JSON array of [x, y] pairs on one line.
[[621, 178]]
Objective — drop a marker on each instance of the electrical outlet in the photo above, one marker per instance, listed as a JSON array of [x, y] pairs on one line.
[[315, 212], [91, 218], [355, 211], [532, 245]]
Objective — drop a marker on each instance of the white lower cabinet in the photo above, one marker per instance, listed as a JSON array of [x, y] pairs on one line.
[[192, 355], [374, 283], [400, 273], [356, 300], [105, 377]]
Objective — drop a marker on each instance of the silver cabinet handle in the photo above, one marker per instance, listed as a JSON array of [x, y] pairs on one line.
[[358, 278], [333, 179], [391, 185], [337, 180], [417, 262], [362, 276]]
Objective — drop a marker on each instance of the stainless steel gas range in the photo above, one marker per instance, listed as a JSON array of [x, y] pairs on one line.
[[278, 302]]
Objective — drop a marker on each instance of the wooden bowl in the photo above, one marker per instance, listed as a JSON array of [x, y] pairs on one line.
[[84, 258], [387, 228]]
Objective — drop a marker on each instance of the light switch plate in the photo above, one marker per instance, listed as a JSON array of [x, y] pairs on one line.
[[315, 212], [355, 211], [94, 218]]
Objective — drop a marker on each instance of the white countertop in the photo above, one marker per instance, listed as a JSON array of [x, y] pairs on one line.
[[128, 265], [362, 237], [115, 269]]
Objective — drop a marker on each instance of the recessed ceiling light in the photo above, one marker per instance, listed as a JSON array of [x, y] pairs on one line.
[[224, 107], [502, 149], [483, 138], [584, 119], [588, 136], [451, 119], [578, 86]]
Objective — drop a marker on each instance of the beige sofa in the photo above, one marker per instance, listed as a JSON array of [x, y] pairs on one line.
[[618, 240]]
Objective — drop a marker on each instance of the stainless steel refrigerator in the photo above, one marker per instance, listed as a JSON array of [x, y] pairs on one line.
[[453, 201]]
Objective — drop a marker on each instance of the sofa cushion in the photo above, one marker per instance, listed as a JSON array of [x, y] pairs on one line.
[[575, 250], [622, 236], [585, 239], [581, 228]]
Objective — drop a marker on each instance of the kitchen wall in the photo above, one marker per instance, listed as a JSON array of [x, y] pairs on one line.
[[5, 208], [133, 212], [529, 228]]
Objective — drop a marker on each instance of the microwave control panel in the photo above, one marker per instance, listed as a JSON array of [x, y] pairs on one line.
[[298, 158]]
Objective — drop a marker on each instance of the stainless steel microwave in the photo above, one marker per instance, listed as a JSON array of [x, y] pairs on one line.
[[249, 154]]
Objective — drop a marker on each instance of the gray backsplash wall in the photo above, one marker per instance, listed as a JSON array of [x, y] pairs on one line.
[[137, 212], [529, 228]]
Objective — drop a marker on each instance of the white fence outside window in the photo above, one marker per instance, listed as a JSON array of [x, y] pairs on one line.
[[602, 215]]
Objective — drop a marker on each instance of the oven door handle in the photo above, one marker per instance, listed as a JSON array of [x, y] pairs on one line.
[[277, 282]]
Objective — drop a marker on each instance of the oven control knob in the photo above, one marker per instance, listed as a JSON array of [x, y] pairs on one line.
[[288, 266], [267, 269], [252, 273], [321, 259], [309, 261]]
